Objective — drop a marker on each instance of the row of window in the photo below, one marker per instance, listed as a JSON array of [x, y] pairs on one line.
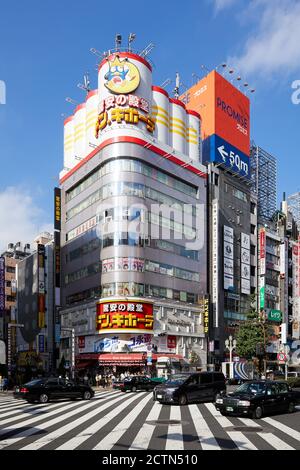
[[127, 188], [131, 289], [95, 244], [131, 264], [130, 165]]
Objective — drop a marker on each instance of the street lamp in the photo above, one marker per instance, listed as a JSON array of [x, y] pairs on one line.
[[72, 330], [9, 326], [230, 344]]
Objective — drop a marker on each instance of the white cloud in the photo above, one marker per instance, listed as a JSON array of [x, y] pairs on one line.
[[222, 4], [20, 217], [274, 44]]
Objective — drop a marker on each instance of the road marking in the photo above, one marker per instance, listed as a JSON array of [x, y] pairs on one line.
[[28, 420], [283, 428], [144, 436], [241, 441], [95, 427], [113, 437], [275, 442], [206, 437], [222, 420], [29, 432], [70, 426], [175, 438]]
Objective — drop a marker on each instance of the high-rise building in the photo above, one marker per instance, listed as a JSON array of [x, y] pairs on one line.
[[35, 310], [9, 260], [232, 207], [133, 225]]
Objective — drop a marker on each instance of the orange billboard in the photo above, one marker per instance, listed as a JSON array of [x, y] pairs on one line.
[[224, 110]]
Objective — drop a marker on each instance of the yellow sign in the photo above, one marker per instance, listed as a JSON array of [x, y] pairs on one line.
[[119, 115], [122, 76]]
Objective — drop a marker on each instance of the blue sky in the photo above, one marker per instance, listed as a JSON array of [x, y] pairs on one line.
[[44, 51]]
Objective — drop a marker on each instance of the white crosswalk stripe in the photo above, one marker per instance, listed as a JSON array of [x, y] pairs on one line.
[[113, 437], [112, 418], [206, 437]]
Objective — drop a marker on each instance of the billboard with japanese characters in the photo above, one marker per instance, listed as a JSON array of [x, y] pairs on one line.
[[124, 316]]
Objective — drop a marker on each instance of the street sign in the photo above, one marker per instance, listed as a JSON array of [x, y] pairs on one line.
[[275, 315], [232, 158], [281, 357]]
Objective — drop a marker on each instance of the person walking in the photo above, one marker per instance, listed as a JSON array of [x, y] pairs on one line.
[[97, 379]]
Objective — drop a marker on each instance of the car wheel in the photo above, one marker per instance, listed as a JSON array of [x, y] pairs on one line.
[[43, 398], [133, 389], [182, 400], [87, 395], [291, 407], [257, 412]]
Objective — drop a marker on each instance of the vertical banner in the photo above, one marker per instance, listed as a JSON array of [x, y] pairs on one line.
[[215, 262], [2, 285], [57, 209], [41, 286], [245, 264], [262, 251], [228, 258], [262, 267]]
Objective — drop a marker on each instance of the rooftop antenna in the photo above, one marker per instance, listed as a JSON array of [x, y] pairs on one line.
[[177, 85], [166, 83], [131, 38], [86, 83], [98, 53], [205, 68], [147, 50], [71, 101], [118, 42], [196, 78]]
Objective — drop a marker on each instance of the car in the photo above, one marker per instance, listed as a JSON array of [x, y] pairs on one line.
[[257, 398], [185, 388], [117, 384], [46, 389], [135, 383], [293, 375]]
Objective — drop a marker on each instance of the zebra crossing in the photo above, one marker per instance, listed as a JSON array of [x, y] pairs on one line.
[[113, 420]]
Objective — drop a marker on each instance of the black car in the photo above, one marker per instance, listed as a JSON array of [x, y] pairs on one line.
[[134, 383], [186, 387], [43, 390], [258, 397]]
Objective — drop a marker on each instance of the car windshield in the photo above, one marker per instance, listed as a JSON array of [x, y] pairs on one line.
[[252, 387], [176, 379], [34, 382]]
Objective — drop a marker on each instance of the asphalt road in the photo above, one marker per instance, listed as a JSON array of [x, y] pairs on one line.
[[113, 420]]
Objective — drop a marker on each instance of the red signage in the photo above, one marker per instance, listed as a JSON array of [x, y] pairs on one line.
[[124, 316], [171, 342], [81, 342]]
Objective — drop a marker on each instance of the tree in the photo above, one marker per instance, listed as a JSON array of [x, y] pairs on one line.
[[252, 333]]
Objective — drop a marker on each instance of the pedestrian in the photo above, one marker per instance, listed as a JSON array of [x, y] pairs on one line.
[[97, 379], [85, 379], [1, 384], [5, 384]]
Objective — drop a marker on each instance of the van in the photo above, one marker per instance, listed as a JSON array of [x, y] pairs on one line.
[[184, 388]]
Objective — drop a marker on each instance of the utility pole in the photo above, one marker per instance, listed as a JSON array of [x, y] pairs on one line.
[[72, 331]]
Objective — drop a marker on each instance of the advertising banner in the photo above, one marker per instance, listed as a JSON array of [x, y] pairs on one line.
[[262, 251], [245, 264], [41, 286], [2, 284], [57, 209], [41, 343], [224, 110], [215, 262], [124, 316], [228, 258]]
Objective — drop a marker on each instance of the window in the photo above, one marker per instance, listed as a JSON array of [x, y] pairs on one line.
[[252, 250], [272, 390], [10, 269], [253, 227], [283, 388], [8, 283], [252, 270], [206, 379], [216, 180], [252, 207], [52, 382]]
